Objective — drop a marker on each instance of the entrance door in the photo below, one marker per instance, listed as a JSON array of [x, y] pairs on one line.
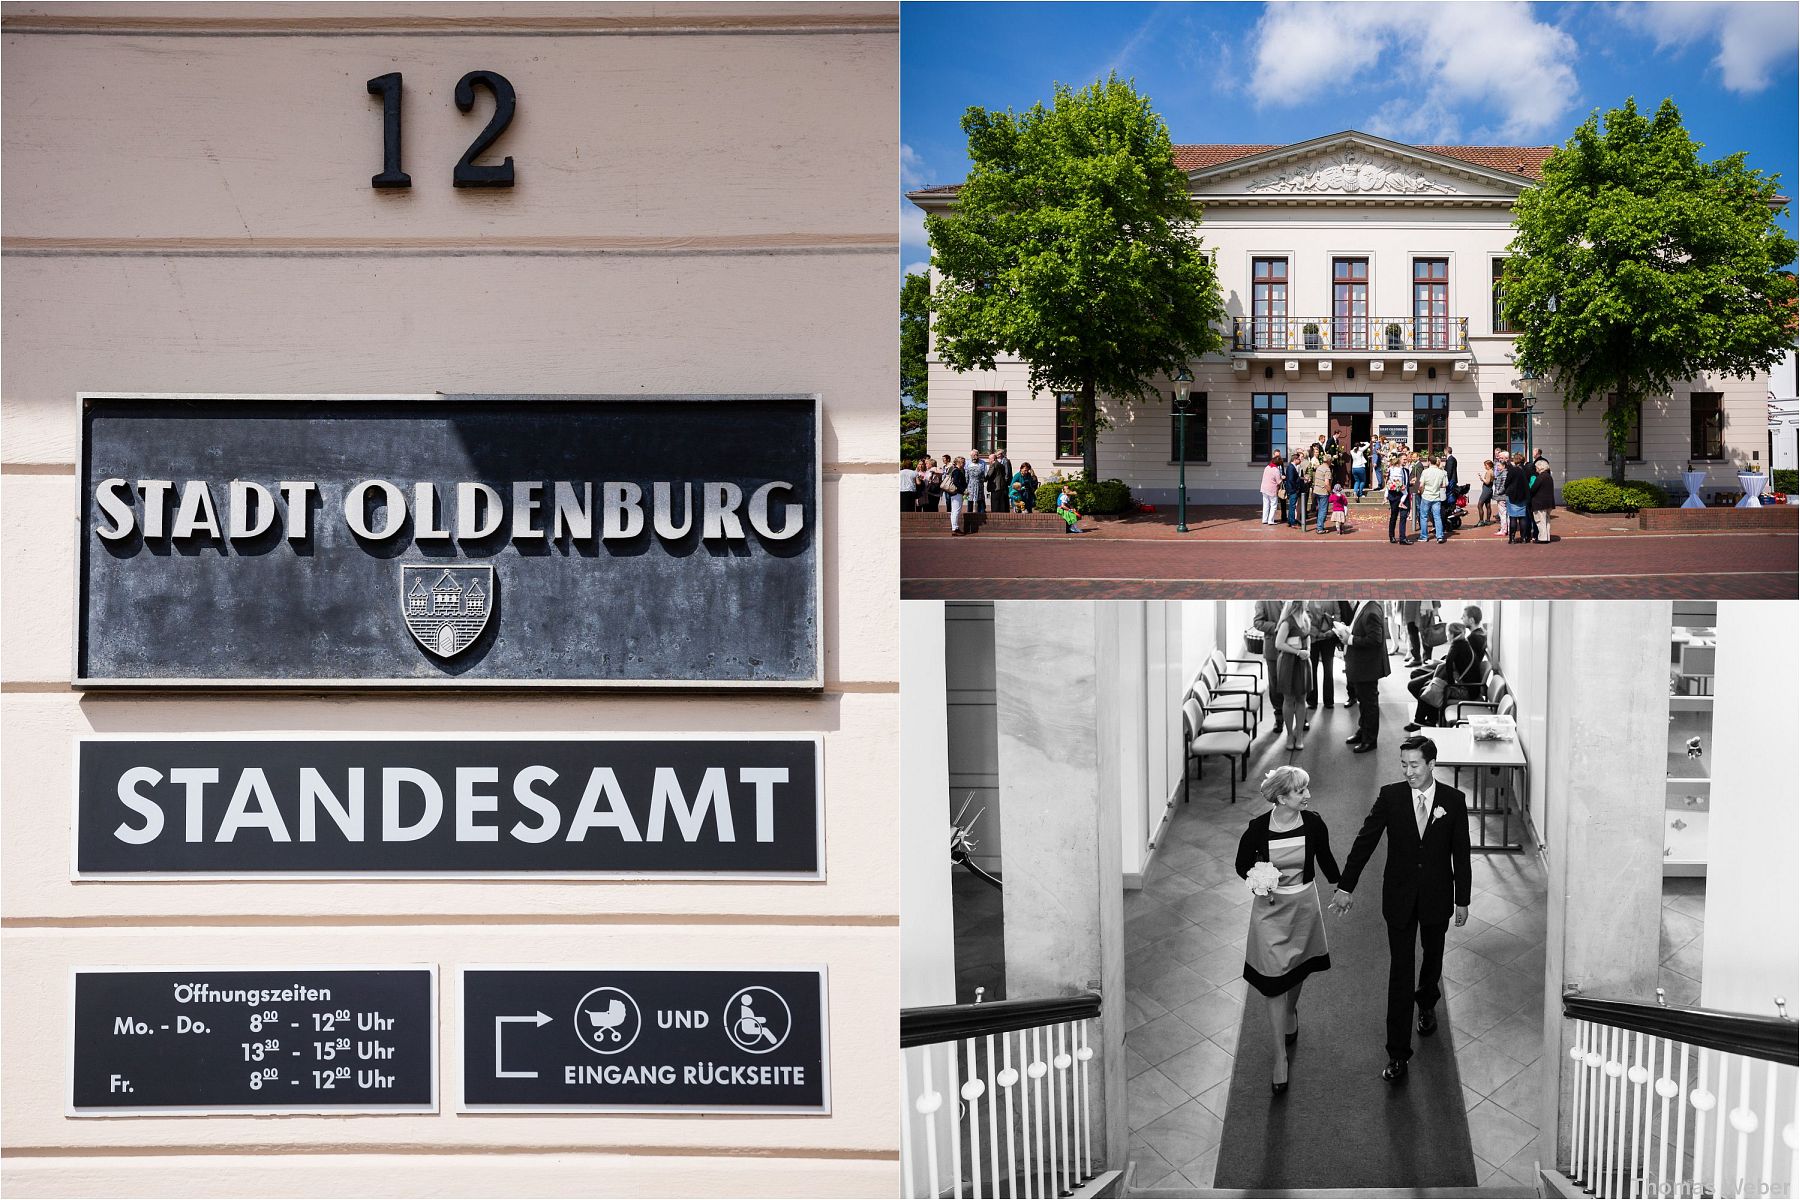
[[1351, 417]]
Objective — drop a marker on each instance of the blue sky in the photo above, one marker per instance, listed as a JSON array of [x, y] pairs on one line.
[[1429, 73]]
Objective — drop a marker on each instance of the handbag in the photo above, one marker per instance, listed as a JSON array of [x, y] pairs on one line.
[[1281, 491], [1436, 692], [1434, 635]]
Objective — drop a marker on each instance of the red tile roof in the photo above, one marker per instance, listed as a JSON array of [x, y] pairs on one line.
[[1527, 161], [1524, 161]]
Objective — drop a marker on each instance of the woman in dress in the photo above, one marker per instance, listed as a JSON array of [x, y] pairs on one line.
[[1271, 490], [1286, 942], [1293, 669], [1484, 507]]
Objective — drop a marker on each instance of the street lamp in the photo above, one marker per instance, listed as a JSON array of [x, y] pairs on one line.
[[1184, 382], [1527, 383]]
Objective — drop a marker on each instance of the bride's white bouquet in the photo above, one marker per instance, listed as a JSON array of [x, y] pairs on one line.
[[1263, 878]]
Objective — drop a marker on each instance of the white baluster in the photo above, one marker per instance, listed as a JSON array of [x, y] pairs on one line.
[[971, 1091], [906, 1139], [1066, 1085], [927, 1104], [1743, 1120], [1608, 1074], [1790, 1133], [1577, 1052], [1665, 1089], [1052, 1113], [1770, 1116], [1595, 1080], [1088, 1101], [1009, 1079], [1720, 1100], [1037, 1109], [1681, 1109], [1637, 1075], [993, 1095], [954, 1093], [1702, 1100]]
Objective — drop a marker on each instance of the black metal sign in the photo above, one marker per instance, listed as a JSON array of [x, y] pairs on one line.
[[458, 541], [624, 1040], [199, 1040], [455, 804]]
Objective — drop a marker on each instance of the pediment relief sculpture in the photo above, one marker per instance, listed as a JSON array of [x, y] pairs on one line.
[[1352, 172]]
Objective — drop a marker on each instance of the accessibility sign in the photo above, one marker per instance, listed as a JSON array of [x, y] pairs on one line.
[[601, 1039]]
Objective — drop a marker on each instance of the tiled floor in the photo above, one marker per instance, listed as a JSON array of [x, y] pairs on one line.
[[1683, 918], [1185, 992]]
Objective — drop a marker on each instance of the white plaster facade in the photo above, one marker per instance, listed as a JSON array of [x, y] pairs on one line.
[[188, 210], [1348, 196]]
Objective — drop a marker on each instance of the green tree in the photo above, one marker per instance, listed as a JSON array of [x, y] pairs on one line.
[[1637, 265], [1074, 247], [915, 326]]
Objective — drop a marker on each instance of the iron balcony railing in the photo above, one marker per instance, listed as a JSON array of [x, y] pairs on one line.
[[1368, 335], [1003, 1092], [1724, 1080]]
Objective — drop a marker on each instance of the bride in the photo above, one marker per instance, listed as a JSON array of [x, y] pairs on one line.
[[1286, 943]]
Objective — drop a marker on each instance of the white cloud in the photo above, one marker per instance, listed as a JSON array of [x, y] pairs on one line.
[[1494, 55], [916, 268], [912, 226], [1753, 38], [1421, 123], [912, 168]]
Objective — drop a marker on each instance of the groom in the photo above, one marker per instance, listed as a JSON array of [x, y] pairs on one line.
[[1427, 825]]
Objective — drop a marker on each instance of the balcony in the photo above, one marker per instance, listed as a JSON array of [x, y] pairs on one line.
[[1277, 336]]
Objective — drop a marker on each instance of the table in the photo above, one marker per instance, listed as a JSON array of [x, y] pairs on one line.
[[1694, 480], [1457, 747], [1752, 483]]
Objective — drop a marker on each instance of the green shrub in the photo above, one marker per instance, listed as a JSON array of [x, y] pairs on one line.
[[1604, 496], [1107, 496], [1785, 482]]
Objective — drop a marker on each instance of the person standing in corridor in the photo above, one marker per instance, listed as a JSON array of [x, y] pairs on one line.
[[1365, 662], [1427, 877]]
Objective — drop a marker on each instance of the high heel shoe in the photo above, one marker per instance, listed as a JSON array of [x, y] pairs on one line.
[[1293, 1037], [1278, 1088]]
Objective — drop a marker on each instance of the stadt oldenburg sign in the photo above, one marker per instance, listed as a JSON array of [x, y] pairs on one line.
[[451, 541], [336, 805]]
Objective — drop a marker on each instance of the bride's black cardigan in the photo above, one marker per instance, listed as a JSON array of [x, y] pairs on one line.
[[1253, 847]]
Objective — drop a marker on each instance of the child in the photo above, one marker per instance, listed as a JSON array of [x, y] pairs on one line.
[[1065, 508], [1340, 515]]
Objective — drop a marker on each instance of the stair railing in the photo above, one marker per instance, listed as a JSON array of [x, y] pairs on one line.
[[1637, 1066], [1018, 1077]]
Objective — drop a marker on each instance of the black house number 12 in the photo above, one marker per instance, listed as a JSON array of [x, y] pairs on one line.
[[467, 173]]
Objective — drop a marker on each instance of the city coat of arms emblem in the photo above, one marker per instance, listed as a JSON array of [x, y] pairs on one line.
[[446, 608]]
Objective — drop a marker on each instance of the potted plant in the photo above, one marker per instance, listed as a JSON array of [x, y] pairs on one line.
[[1311, 332], [1393, 336]]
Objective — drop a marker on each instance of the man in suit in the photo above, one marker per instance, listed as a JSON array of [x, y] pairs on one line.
[[1322, 615], [1264, 620], [1427, 827], [1365, 662]]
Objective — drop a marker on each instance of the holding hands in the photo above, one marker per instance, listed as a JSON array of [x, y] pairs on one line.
[[1342, 900]]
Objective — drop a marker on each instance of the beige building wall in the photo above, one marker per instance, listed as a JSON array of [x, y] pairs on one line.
[[703, 206]]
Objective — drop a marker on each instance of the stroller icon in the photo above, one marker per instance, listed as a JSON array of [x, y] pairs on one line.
[[607, 1020]]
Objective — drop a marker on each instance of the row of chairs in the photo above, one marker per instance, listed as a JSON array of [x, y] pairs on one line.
[[1220, 716]]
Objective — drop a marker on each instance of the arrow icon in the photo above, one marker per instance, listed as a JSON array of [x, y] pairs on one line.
[[499, 1028]]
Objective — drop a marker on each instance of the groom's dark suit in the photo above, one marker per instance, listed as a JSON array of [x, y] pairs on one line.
[[1426, 879]]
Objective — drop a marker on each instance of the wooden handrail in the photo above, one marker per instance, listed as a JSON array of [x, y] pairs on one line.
[[1772, 1039], [949, 1022]]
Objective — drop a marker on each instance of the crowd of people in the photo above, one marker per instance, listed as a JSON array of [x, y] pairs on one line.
[[1311, 489], [1301, 640], [978, 483]]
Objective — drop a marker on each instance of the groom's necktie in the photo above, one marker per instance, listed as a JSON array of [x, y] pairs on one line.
[[1419, 811]]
